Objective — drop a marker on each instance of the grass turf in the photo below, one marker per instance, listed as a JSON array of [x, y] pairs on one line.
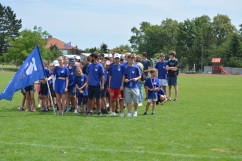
[[204, 125]]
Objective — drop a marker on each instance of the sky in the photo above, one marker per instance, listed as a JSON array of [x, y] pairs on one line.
[[89, 23]]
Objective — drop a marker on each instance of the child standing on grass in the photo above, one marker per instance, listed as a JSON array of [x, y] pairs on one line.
[[152, 85], [29, 93], [81, 92]]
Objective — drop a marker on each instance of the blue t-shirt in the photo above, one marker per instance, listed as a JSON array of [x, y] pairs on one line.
[[117, 72], [106, 74], [161, 92], [72, 75], [152, 83], [161, 67], [130, 73], [61, 72], [80, 81], [95, 72]]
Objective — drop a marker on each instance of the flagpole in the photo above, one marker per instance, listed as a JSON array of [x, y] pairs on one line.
[[47, 81]]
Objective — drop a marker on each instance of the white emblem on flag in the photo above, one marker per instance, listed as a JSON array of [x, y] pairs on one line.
[[31, 66]]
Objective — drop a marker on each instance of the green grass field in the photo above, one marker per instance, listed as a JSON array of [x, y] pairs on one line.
[[206, 124]]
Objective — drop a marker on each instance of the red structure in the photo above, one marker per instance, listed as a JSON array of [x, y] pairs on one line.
[[217, 67]]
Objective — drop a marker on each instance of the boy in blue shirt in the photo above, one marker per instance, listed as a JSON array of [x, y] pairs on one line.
[[152, 85], [131, 76], [116, 73], [162, 72], [161, 97], [95, 81]]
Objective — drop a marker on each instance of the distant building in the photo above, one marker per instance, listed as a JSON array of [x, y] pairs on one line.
[[60, 44]]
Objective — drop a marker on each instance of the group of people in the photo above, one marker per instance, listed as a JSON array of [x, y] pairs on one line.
[[97, 81]]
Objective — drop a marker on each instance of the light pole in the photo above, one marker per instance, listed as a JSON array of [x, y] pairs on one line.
[[202, 58]]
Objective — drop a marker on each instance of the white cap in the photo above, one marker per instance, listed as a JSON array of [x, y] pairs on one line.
[[56, 63], [116, 55], [77, 57]]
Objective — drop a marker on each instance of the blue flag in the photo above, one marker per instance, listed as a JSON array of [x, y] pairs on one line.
[[68, 45], [30, 71]]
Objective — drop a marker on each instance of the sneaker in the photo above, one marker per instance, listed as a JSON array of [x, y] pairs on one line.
[[75, 111], [140, 104], [175, 100], [135, 113], [112, 114], [121, 114], [116, 111], [33, 109], [145, 113], [21, 109], [27, 110], [152, 113], [124, 107], [39, 105], [90, 113], [129, 115], [68, 109], [99, 113], [168, 99]]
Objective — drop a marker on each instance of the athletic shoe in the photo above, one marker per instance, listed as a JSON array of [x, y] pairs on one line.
[[135, 113], [121, 114], [152, 113], [116, 111], [112, 114], [124, 107], [90, 113], [140, 104], [99, 113], [145, 113], [75, 111], [21, 109], [168, 99], [33, 109], [129, 115], [175, 100], [39, 105], [27, 110]]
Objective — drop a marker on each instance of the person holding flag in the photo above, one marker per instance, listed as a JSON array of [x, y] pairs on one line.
[[30, 71], [61, 84]]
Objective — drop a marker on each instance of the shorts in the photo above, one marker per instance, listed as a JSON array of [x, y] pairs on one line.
[[94, 91], [163, 82], [29, 88], [152, 100], [72, 89], [43, 89], [82, 100], [115, 93], [60, 85], [131, 94], [172, 81]]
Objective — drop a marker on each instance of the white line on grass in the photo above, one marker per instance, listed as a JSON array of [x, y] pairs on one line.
[[126, 151]]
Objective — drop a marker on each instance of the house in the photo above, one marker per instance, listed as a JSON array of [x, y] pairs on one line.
[[60, 44]]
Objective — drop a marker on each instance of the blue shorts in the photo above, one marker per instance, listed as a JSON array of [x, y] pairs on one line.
[[72, 89], [172, 81], [43, 89], [82, 100], [60, 85], [94, 91], [29, 88]]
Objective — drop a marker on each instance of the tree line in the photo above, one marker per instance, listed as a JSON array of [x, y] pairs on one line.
[[196, 41]]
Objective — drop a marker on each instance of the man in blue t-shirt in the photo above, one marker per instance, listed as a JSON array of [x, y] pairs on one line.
[[162, 72], [147, 65], [172, 68], [95, 81], [131, 76]]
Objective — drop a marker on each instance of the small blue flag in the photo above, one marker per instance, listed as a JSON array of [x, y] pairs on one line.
[[30, 71], [68, 45]]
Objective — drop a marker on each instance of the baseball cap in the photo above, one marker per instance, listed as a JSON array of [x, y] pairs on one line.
[[72, 60], [56, 63], [116, 55]]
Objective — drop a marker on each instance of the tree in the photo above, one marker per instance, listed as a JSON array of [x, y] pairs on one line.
[[9, 26], [104, 48], [21, 46]]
